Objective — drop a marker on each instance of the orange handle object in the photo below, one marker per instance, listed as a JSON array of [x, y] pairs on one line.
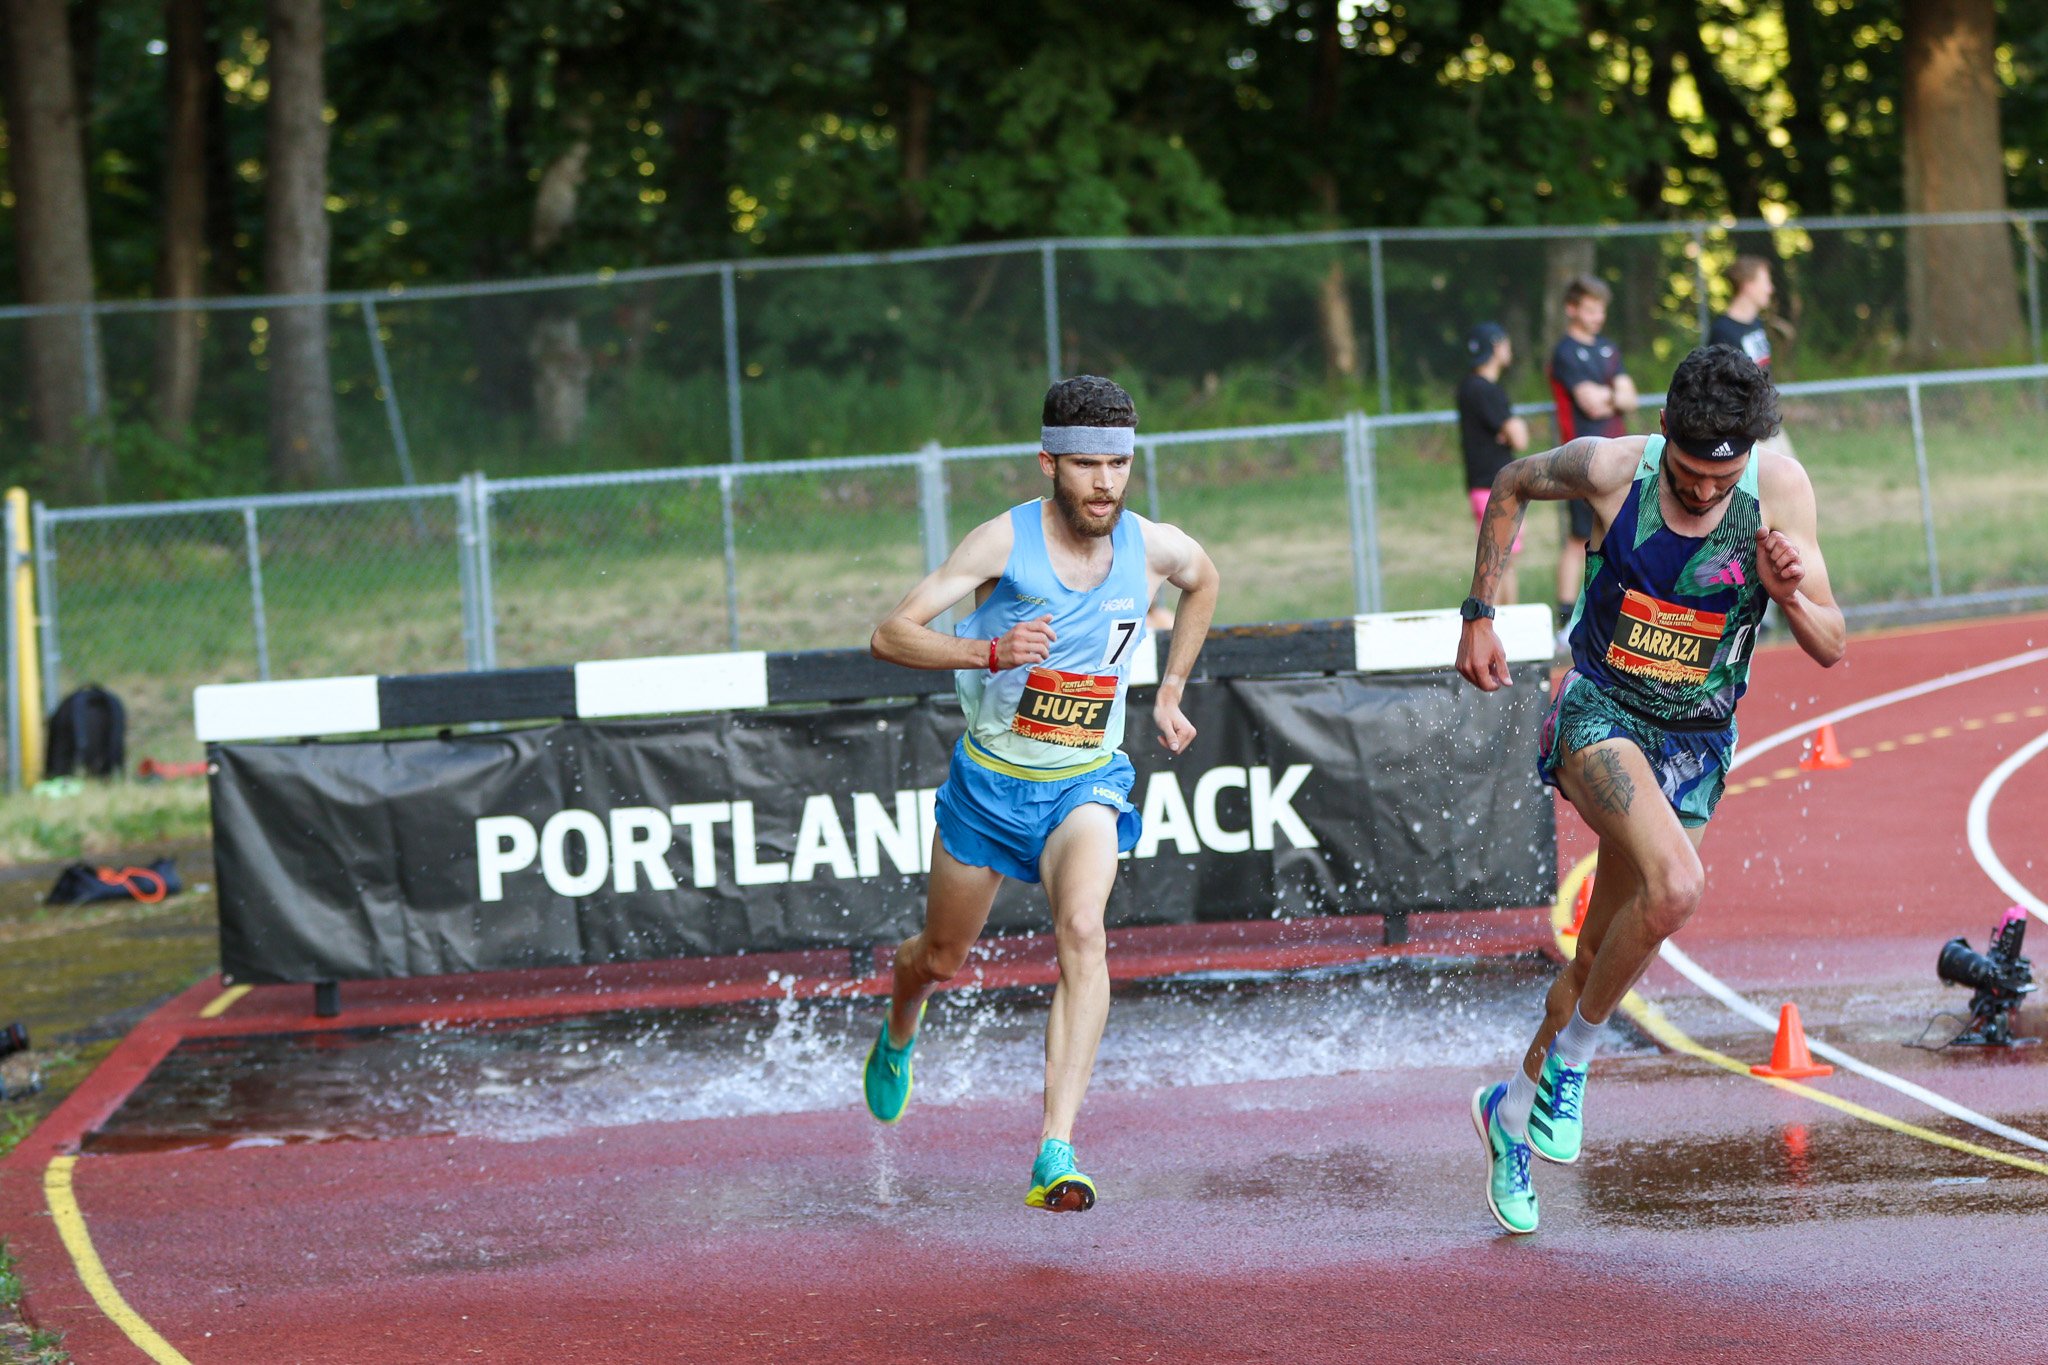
[[143, 884]]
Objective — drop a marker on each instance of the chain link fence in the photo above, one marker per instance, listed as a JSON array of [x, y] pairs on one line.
[[797, 358], [1932, 491]]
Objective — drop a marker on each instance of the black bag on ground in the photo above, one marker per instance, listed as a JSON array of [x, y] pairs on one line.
[[82, 883], [88, 735]]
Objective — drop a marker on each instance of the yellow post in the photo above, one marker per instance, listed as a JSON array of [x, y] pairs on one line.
[[28, 679]]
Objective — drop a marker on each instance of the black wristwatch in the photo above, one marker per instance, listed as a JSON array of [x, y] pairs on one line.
[[1472, 609]]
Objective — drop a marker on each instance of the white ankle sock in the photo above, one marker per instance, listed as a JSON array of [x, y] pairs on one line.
[[1577, 1041], [1513, 1112]]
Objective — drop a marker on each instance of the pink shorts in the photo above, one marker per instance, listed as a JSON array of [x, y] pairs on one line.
[[1480, 497]]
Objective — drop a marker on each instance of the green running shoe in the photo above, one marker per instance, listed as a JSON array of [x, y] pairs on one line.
[[1555, 1126], [1055, 1184], [1509, 1192], [886, 1078]]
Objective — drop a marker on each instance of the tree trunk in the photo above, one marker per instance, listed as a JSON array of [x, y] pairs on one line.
[[1962, 292], [1644, 274], [53, 248], [226, 267], [561, 376], [304, 446], [83, 17], [181, 267], [1563, 258], [561, 363], [1812, 144], [1335, 327], [1333, 315], [915, 124]]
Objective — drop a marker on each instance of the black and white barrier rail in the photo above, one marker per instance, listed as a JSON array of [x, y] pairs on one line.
[[729, 803]]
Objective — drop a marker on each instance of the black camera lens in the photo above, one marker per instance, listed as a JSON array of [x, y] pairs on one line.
[[13, 1039], [1962, 965]]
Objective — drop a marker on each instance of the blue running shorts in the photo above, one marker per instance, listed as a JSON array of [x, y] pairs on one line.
[[991, 819], [1691, 766]]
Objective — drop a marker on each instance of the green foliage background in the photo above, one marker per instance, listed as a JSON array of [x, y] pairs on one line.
[[740, 131]]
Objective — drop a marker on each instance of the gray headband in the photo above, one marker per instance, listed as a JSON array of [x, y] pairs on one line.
[[1088, 440]]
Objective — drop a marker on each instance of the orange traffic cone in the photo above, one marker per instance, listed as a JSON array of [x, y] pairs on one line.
[[1579, 904], [1822, 752], [1789, 1058]]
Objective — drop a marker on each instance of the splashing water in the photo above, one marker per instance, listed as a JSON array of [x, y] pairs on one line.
[[520, 1082]]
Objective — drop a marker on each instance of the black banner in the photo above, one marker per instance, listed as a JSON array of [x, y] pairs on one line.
[[756, 831]]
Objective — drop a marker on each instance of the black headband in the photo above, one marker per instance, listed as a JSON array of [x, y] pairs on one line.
[[1712, 448]]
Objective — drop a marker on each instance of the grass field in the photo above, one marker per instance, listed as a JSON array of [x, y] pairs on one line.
[[153, 609]]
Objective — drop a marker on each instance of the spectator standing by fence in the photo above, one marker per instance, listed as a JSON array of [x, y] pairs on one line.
[[1488, 429], [1742, 326], [1751, 289], [1594, 397]]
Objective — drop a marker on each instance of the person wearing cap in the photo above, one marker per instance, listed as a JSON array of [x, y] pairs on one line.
[[1695, 531], [1039, 788], [1488, 429]]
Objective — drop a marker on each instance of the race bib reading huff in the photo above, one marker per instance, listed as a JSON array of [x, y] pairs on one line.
[[1065, 708], [1654, 639]]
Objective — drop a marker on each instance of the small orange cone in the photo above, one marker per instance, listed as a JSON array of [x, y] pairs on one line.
[[1579, 904], [1822, 753], [1790, 1060]]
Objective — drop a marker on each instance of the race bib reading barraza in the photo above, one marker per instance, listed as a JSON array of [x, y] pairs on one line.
[[1654, 639]]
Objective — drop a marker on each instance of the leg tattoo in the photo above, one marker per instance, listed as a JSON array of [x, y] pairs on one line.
[[1611, 785]]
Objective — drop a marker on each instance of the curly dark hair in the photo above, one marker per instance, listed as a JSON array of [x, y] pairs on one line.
[[1719, 394], [1089, 400]]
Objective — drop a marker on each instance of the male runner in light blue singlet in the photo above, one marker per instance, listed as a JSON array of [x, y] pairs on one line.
[[1693, 534], [1038, 789]]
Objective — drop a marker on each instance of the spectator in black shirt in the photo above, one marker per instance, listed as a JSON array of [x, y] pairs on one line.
[[1488, 429], [1742, 326], [1594, 397]]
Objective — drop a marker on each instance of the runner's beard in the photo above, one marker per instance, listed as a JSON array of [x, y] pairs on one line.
[[1077, 517], [1685, 500]]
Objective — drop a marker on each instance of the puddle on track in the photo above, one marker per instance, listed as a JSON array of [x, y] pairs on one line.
[[1800, 1172], [523, 1081]]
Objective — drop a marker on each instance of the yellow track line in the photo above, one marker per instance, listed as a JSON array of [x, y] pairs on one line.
[[1654, 1022], [225, 1001], [71, 1227]]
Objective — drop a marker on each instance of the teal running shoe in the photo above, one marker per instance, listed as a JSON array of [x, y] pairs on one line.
[[886, 1078], [1055, 1184], [1555, 1126], [1509, 1192]]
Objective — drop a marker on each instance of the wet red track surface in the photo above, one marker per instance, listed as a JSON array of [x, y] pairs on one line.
[[1328, 1218]]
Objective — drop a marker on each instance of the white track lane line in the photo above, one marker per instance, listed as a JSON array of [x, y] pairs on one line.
[[1768, 1022], [1751, 751], [1980, 830]]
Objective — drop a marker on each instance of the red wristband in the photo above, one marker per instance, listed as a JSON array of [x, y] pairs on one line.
[[993, 667]]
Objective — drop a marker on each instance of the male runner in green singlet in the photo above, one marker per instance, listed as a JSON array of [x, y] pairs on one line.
[[1693, 534]]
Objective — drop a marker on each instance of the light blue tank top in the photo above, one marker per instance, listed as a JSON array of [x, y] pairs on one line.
[[1065, 715]]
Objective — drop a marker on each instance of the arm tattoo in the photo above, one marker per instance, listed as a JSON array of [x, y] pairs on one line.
[[1612, 788], [1496, 544], [1566, 472]]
